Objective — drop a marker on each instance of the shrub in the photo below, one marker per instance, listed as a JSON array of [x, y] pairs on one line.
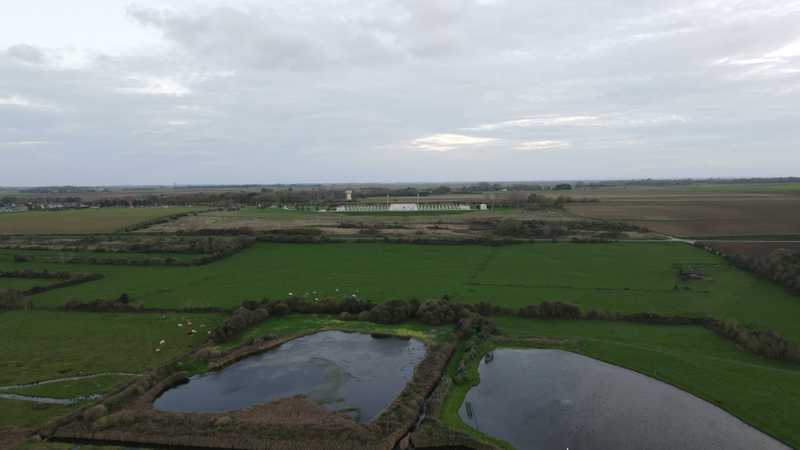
[[511, 228], [488, 309], [530, 311], [241, 319], [551, 310], [476, 325], [765, 343], [355, 305], [223, 421], [95, 412], [121, 304], [659, 319], [393, 311], [436, 312], [251, 304], [11, 299], [593, 314], [120, 419], [782, 266], [278, 308]]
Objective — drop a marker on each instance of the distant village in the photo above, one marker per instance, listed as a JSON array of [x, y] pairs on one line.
[[22, 207]]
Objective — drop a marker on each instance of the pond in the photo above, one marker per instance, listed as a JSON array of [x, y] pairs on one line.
[[352, 372], [552, 399]]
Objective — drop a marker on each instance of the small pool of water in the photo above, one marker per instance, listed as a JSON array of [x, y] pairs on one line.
[[551, 399], [341, 371]]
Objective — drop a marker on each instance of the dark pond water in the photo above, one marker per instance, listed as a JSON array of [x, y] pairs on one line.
[[341, 371], [551, 399]]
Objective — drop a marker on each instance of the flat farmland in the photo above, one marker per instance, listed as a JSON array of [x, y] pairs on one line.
[[80, 221], [624, 277], [270, 219], [697, 214]]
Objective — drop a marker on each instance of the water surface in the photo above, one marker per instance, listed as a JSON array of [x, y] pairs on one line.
[[341, 371], [551, 399]]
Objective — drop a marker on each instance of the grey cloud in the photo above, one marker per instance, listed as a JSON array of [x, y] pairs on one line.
[[353, 90], [26, 53], [327, 34]]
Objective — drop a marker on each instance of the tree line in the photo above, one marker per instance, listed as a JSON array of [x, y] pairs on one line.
[[782, 266]]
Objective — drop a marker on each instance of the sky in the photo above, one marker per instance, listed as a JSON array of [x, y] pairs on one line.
[[115, 92]]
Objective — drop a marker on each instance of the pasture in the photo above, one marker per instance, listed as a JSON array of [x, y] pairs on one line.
[[42, 345], [80, 221], [623, 277], [91, 343]]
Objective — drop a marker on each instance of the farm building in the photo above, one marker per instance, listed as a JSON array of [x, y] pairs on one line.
[[402, 207]]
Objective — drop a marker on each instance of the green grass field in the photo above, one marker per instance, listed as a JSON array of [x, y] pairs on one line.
[[22, 284], [41, 345], [80, 221], [625, 277], [762, 392], [612, 277]]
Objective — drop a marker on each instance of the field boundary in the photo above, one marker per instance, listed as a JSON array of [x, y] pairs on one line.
[[604, 289]]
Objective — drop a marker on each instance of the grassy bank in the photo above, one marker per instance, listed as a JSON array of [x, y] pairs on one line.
[[306, 323]]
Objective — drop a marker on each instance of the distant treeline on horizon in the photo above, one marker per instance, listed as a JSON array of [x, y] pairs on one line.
[[482, 185]]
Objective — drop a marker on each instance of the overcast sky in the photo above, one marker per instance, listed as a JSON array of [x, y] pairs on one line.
[[159, 92]]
